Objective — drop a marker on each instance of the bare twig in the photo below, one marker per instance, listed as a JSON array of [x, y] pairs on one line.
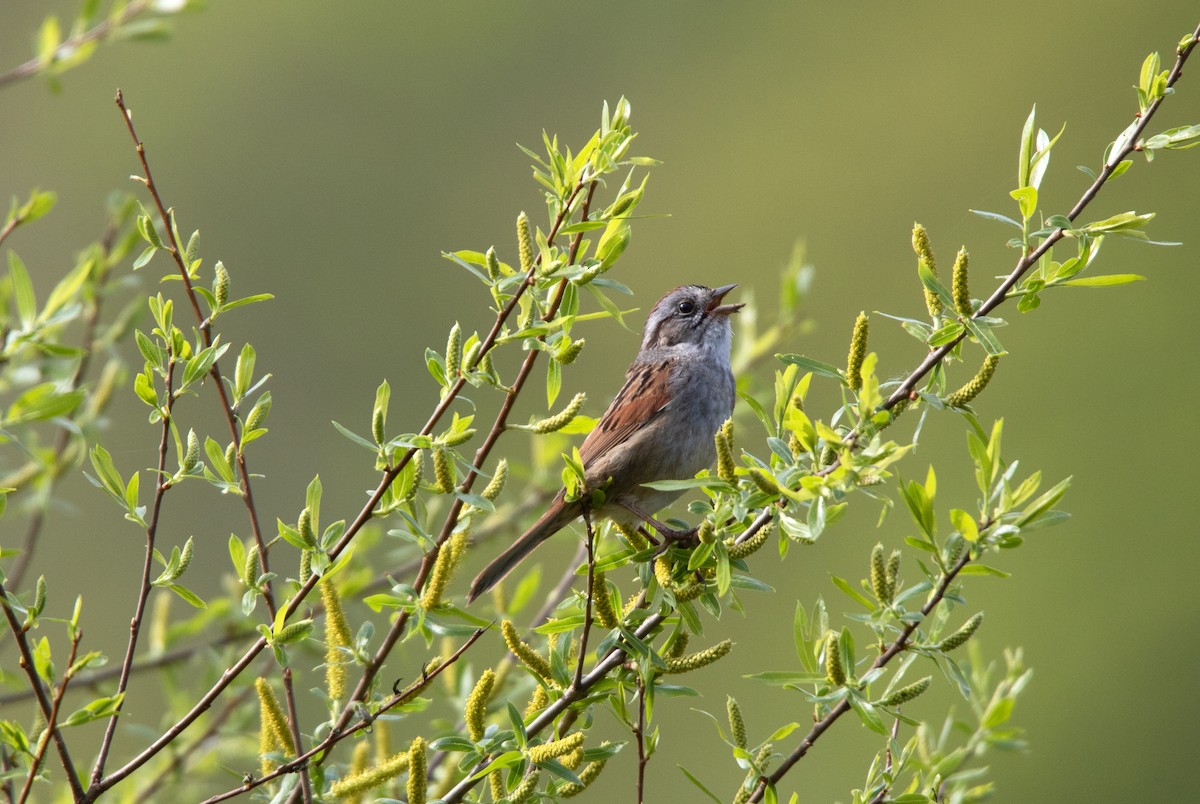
[[35, 683], [894, 649], [161, 485], [639, 732], [591, 589], [52, 721], [71, 44]]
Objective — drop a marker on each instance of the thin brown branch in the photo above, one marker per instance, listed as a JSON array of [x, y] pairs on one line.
[[101, 31], [892, 650], [365, 514], [301, 762], [611, 661], [52, 721], [205, 328], [401, 623], [161, 485], [591, 589], [639, 733], [35, 683], [179, 761]]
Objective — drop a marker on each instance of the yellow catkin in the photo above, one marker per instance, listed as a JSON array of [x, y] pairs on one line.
[[975, 386], [765, 481], [525, 242], [477, 701], [496, 781], [572, 760], [447, 562], [959, 637], [443, 471], [493, 263], [337, 636], [858, 352], [496, 484], [906, 694], [834, 671], [662, 572], [694, 661], [587, 776], [220, 284], [688, 591], [524, 790], [726, 468], [636, 540], [678, 645], [416, 771], [560, 420], [454, 352], [893, 571], [524, 651], [750, 546], [959, 287], [879, 578], [539, 701], [568, 354], [602, 604], [555, 748], [355, 785], [382, 731], [737, 726], [920, 241], [358, 764], [272, 712]]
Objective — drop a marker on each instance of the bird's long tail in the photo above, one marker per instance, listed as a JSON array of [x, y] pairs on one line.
[[551, 522]]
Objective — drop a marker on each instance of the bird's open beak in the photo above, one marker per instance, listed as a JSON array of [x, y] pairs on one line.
[[716, 308]]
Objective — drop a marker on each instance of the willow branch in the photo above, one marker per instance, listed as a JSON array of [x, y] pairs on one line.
[[398, 697], [52, 720]]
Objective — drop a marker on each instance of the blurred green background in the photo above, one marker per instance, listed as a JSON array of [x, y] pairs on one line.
[[329, 151]]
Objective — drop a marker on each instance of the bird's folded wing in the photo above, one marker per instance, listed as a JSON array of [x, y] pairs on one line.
[[643, 398]]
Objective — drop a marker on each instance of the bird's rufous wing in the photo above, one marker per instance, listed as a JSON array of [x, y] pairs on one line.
[[643, 397]]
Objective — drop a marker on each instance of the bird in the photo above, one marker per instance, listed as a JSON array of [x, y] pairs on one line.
[[660, 425]]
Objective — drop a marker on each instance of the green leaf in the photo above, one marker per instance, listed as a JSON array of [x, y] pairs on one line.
[[1106, 280], [965, 524], [698, 784], [934, 284], [809, 364], [22, 289], [191, 597]]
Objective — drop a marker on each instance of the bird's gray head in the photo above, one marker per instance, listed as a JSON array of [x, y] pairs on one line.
[[690, 314]]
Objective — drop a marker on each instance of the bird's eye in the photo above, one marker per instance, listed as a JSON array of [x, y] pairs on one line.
[[685, 308]]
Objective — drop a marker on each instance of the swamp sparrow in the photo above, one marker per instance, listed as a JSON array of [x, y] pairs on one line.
[[677, 394]]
